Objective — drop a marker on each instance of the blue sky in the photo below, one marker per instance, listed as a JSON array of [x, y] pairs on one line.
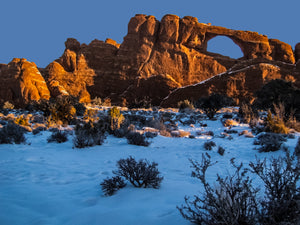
[[37, 29]]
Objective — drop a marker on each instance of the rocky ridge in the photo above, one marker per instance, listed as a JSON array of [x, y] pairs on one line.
[[163, 58]]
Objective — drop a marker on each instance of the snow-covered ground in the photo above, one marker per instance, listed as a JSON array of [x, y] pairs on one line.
[[47, 183]]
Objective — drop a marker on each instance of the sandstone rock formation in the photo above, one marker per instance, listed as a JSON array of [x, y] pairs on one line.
[[239, 83], [156, 57], [297, 52], [21, 82], [172, 47]]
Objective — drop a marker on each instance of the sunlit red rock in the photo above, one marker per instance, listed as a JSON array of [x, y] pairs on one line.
[[21, 82], [157, 57]]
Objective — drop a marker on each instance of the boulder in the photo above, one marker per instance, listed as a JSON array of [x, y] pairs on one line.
[[22, 82]]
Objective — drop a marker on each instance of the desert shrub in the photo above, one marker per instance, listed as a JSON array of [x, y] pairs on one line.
[[210, 105], [21, 120], [227, 116], [136, 138], [116, 118], [208, 145], [12, 133], [186, 104], [221, 150], [275, 124], [276, 92], [269, 142], [281, 201], [88, 135], [139, 174], [150, 134], [107, 102], [297, 148], [111, 185], [145, 102], [62, 109], [8, 105], [165, 133], [91, 115], [58, 136], [230, 131], [80, 108], [97, 101], [231, 201], [246, 113], [121, 132]]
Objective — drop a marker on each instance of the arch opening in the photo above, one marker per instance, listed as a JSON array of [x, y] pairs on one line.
[[224, 46]]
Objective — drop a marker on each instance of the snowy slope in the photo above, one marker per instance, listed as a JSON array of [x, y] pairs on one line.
[[47, 183]]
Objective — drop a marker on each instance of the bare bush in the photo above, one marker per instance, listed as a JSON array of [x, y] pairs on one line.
[[276, 124], [281, 202], [89, 134], [12, 133], [269, 142], [111, 185], [139, 174], [208, 145], [221, 150], [136, 138], [185, 105], [58, 136], [246, 113], [213, 103], [231, 202]]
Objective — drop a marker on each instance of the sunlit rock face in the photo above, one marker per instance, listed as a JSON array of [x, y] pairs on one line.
[[157, 57], [239, 83], [21, 82]]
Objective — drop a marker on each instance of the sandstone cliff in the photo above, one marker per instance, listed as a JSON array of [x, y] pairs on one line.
[[174, 48], [239, 83], [157, 57]]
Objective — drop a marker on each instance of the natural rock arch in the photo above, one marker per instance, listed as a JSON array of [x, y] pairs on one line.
[[214, 45]]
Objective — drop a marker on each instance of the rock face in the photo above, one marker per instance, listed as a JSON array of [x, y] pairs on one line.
[[239, 83], [156, 57], [297, 52], [21, 82], [70, 75]]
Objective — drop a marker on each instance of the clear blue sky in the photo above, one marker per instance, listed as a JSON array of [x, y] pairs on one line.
[[37, 29]]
